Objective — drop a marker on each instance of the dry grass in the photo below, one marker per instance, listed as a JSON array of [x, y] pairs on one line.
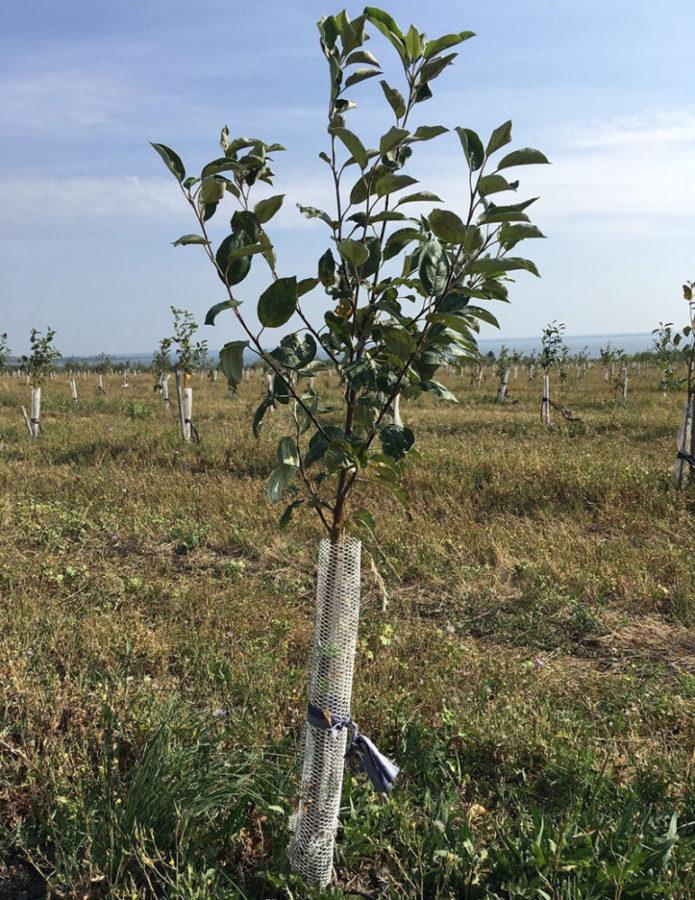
[[534, 662]]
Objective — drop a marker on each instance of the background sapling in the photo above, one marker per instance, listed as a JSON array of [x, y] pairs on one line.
[[36, 366]]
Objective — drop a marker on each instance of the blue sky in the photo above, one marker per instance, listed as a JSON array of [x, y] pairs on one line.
[[605, 89]]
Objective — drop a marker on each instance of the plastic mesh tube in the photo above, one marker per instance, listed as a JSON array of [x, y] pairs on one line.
[[330, 688], [686, 444]]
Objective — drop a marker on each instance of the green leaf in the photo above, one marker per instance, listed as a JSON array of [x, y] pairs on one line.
[[420, 197], [294, 353], [499, 137], [449, 320], [360, 75], [483, 314], [387, 26], [378, 17], [232, 361], [354, 252], [223, 164], [398, 341], [262, 409], [190, 239], [246, 221], [327, 269], [435, 67], [215, 310], [266, 209], [306, 285], [388, 215], [393, 137], [399, 239], [447, 226], [287, 452], [413, 43], [495, 217], [353, 144], [472, 148], [278, 302], [362, 56], [396, 440], [360, 191], [388, 184], [364, 521], [427, 132], [279, 478], [434, 269], [474, 240], [211, 191], [443, 43], [524, 157], [232, 268], [312, 213], [493, 184], [247, 250], [485, 265], [283, 522], [395, 99], [439, 389], [171, 160], [509, 235]]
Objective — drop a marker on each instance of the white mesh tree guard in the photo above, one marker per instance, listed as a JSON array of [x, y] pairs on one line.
[[686, 445], [330, 689]]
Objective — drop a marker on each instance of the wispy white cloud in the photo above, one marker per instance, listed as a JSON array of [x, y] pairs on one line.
[[55, 201], [617, 176], [41, 102]]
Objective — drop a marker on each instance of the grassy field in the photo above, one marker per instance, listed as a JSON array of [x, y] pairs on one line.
[[532, 669]]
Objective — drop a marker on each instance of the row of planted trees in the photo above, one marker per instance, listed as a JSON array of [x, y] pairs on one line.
[[672, 355]]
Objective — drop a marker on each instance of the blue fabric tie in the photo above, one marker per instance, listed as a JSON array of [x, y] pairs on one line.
[[361, 754]]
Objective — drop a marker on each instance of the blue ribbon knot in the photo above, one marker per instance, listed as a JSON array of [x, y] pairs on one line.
[[361, 754]]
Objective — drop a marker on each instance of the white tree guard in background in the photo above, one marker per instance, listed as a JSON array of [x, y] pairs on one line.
[[187, 413], [686, 444], [165, 389], [330, 689], [502, 390], [545, 401]]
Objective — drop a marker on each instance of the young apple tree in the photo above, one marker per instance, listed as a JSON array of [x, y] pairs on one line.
[[190, 356], [552, 347], [402, 278], [36, 367], [684, 343]]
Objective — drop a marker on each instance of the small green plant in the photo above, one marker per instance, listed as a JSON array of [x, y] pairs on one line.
[[137, 409], [37, 364]]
